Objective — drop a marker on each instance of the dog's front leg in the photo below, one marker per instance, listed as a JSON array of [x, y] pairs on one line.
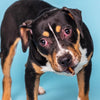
[[32, 83], [83, 78]]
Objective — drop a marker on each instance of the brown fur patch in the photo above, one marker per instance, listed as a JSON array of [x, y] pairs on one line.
[[37, 80], [81, 85], [78, 39], [24, 35], [37, 69], [45, 33], [6, 88], [6, 71], [58, 28], [9, 58], [75, 52]]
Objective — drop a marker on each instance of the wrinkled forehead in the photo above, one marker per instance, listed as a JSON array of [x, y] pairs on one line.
[[54, 18]]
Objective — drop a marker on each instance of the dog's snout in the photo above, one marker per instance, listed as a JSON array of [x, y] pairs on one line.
[[65, 60]]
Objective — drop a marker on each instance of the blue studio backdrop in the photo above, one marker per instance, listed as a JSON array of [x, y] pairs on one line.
[[59, 87]]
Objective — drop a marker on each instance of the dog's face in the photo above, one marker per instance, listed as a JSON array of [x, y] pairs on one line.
[[56, 35]]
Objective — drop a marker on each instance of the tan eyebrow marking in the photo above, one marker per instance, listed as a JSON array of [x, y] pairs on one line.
[[46, 33], [71, 15], [58, 28]]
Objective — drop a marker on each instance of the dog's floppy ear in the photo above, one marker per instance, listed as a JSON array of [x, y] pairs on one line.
[[75, 14], [25, 33]]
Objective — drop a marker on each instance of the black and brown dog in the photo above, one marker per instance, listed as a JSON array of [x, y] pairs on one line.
[[58, 41]]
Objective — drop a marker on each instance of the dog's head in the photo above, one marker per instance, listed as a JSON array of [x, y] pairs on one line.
[[56, 35]]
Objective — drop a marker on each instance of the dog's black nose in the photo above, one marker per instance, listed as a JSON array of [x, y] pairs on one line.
[[65, 60]]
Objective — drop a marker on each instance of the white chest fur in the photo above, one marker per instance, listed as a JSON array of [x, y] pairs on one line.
[[47, 68], [83, 60]]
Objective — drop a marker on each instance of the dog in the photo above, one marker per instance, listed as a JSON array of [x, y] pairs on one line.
[[58, 41]]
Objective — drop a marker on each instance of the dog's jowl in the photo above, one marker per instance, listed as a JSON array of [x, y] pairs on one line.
[[58, 41]]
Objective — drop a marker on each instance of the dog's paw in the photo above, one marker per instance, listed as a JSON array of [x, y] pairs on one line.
[[41, 91]]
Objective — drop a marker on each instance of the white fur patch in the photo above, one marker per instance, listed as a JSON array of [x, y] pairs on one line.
[[41, 91], [53, 9], [83, 61], [78, 98], [47, 68]]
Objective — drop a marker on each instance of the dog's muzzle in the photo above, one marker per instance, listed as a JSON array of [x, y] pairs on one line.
[[66, 63], [65, 60]]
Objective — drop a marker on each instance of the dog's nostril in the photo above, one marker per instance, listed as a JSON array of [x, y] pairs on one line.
[[65, 61], [68, 61]]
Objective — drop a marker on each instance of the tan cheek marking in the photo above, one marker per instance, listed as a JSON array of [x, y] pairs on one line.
[[37, 68], [71, 15], [45, 33], [78, 40], [77, 45], [76, 53], [58, 28], [53, 62]]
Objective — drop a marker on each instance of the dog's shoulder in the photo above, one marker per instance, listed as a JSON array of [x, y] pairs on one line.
[[86, 41]]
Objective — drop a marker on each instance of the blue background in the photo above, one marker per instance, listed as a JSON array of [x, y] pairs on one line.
[[59, 87]]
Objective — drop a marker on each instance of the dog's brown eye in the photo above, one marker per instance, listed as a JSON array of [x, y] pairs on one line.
[[67, 31], [43, 42]]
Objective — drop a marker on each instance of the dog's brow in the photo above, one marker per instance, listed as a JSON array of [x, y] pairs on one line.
[[54, 36]]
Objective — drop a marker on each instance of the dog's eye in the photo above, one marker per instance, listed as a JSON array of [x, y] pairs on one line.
[[43, 42], [67, 32]]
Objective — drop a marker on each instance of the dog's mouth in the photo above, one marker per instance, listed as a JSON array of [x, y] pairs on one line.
[[69, 69]]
